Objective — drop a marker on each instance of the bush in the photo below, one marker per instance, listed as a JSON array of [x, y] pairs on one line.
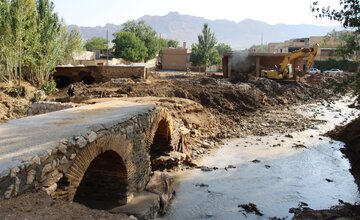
[[49, 87], [346, 65]]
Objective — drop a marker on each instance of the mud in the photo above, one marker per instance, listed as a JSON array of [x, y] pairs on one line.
[[234, 108], [218, 109], [40, 206], [350, 134], [269, 172]]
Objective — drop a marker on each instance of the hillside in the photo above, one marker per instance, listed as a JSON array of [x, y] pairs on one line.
[[240, 35]]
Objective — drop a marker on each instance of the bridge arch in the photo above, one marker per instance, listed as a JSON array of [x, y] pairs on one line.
[[86, 78], [160, 139], [104, 184], [101, 175], [62, 81]]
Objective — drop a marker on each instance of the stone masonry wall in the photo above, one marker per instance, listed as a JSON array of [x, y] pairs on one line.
[[59, 171], [43, 107]]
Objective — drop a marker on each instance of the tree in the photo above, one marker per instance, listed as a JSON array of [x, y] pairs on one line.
[[164, 43], [23, 28], [33, 40], [347, 43], [173, 43], [74, 43], [50, 47], [196, 56], [204, 52], [348, 14], [214, 57], [129, 47], [96, 43], [146, 34], [6, 42], [223, 48]]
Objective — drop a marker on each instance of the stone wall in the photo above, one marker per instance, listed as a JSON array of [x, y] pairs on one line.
[[91, 74], [43, 107], [61, 170]]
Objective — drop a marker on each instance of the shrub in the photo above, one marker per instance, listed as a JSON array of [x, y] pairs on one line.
[[49, 87]]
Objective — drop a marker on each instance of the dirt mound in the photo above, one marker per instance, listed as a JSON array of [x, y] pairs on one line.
[[345, 211], [15, 100], [350, 134], [229, 108], [40, 206], [219, 94]]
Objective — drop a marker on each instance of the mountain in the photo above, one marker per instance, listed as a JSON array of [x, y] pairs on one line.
[[239, 35]]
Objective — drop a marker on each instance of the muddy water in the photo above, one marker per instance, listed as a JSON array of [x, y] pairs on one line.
[[271, 173]]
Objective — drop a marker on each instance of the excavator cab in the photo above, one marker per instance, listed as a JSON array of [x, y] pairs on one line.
[[288, 73]]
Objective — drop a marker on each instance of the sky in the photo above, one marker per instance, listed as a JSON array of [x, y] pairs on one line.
[[100, 12]]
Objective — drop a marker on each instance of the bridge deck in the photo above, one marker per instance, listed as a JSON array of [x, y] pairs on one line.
[[24, 138]]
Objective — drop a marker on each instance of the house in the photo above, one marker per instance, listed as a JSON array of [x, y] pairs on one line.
[[325, 52], [175, 59]]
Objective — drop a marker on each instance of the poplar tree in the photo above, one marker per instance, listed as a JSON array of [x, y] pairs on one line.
[[50, 45], [33, 40], [204, 52], [23, 28]]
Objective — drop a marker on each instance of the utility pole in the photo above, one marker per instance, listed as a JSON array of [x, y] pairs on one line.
[[262, 38], [107, 47]]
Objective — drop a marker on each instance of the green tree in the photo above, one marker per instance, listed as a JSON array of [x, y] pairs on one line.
[[146, 34], [74, 43], [196, 56], [347, 43], [348, 13], [96, 43], [165, 43], [23, 28], [173, 43], [204, 52], [6, 42], [33, 40], [50, 47], [129, 47], [223, 48]]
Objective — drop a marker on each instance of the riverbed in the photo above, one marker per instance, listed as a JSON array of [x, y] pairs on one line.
[[275, 172]]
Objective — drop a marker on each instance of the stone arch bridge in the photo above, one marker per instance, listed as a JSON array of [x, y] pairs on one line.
[[86, 154]]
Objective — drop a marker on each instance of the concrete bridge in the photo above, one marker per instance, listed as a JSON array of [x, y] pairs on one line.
[[99, 152]]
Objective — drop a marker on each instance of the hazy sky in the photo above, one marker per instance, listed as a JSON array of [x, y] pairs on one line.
[[100, 12]]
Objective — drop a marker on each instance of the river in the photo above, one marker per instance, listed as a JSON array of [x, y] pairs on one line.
[[275, 172]]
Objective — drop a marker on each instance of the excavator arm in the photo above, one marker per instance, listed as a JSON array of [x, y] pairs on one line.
[[285, 71], [312, 56]]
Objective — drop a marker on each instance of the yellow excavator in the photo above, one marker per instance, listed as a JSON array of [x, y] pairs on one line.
[[285, 69]]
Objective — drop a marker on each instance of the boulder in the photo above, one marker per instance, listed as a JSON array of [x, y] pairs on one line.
[[162, 185]]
